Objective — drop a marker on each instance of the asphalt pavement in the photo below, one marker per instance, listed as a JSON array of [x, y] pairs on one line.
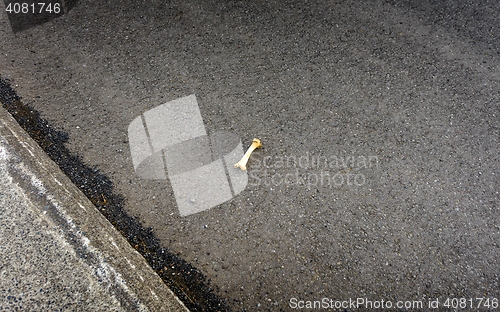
[[378, 178]]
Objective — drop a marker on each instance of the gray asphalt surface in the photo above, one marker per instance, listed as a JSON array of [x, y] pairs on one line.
[[409, 92]]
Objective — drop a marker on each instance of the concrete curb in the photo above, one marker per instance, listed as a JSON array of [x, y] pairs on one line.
[[92, 243]]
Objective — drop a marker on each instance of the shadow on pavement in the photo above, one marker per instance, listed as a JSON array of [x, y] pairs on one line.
[[29, 13]]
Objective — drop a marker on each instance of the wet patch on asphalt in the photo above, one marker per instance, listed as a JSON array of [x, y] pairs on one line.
[[187, 282]]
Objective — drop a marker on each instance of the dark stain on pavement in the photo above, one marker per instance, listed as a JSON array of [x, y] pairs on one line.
[[187, 282]]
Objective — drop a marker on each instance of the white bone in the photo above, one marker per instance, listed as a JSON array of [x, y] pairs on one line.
[[242, 164]]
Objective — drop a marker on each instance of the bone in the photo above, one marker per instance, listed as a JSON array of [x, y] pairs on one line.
[[242, 164]]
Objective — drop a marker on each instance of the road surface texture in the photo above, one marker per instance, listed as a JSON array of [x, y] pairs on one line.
[[379, 174]]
